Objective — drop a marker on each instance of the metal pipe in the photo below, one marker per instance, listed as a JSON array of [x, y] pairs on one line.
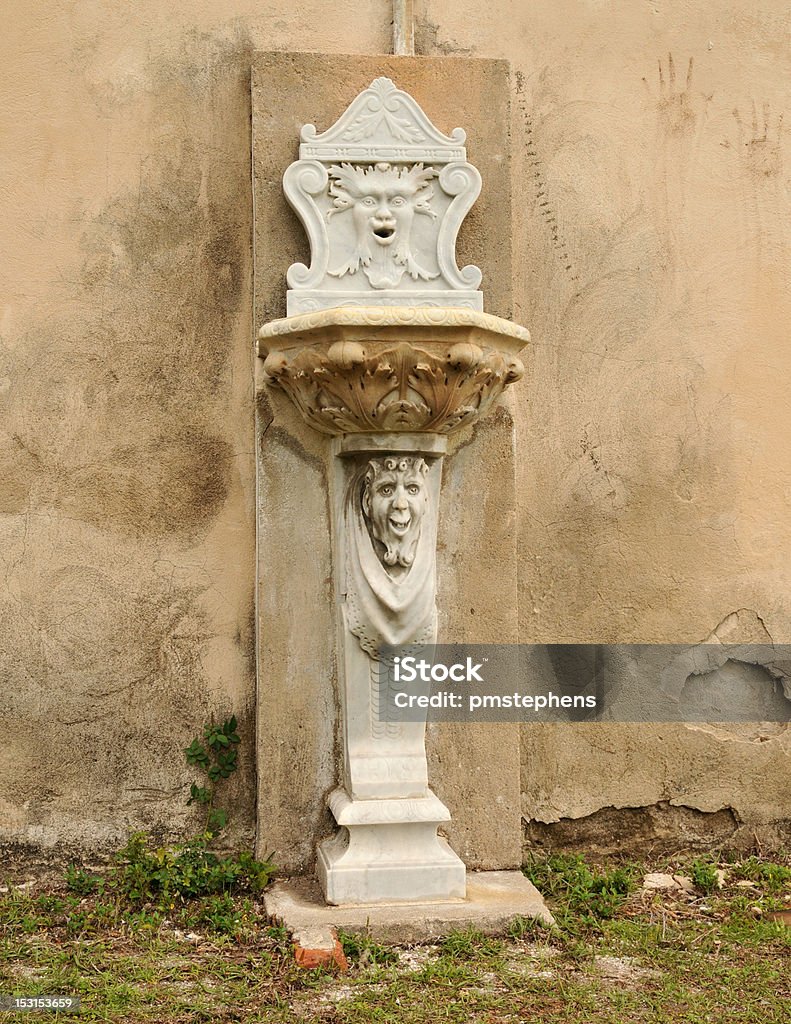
[[404, 28]]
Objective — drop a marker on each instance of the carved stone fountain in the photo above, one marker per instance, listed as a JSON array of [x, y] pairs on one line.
[[386, 349]]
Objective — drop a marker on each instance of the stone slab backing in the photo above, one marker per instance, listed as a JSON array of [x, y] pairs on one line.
[[494, 899], [474, 769]]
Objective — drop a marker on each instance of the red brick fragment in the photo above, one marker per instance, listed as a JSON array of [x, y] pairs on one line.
[[326, 957]]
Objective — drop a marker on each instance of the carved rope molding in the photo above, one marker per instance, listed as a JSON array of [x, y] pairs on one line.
[[362, 370]]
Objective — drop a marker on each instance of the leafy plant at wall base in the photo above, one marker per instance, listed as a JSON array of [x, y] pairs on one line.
[[148, 874], [149, 882], [588, 894], [772, 877], [81, 883], [215, 753]]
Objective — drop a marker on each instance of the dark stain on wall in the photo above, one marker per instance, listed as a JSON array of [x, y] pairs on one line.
[[125, 426], [124, 432], [168, 484]]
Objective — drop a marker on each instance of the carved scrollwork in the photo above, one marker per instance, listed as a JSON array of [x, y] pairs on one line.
[[302, 182], [381, 195], [463, 182]]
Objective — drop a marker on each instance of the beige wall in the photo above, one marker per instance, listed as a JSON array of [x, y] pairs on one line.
[[653, 235], [650, 244]]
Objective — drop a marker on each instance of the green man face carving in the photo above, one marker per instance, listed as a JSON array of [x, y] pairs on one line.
[[383, 201]]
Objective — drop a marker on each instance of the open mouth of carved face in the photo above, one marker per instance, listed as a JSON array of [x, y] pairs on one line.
[[384, 235], [400, 524]]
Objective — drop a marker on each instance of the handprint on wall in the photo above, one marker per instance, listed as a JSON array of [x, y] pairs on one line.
[[759, 143], [680, 119], [764, 202], [676, 104]]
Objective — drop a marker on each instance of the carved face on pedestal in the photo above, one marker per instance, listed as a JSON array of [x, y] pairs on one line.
[[383, 201], [394, 501]]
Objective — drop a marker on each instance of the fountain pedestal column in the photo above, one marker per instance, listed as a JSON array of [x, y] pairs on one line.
[[389, 384], [386, 500]]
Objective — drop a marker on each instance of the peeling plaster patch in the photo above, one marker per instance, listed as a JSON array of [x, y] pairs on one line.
[[658, 829], [736, 675], [748, 691], [744, 626], [742, 732]]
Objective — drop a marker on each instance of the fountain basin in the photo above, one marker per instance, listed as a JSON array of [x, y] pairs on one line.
[[416, 369]]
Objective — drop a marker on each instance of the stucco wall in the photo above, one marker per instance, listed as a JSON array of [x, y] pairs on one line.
[[650, 253], [654, 233]]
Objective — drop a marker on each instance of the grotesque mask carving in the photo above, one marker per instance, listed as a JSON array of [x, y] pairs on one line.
[[394, 500], [383, 201]]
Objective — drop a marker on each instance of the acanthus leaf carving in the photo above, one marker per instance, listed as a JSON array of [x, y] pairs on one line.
[[384, 115], [437, 381], [366, 125]]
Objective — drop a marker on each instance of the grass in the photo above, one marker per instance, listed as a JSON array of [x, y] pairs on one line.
[[618, 955]]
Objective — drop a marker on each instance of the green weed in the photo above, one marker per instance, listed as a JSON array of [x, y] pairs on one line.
[[361, 949], [704, 874], [586, 893], [773, 878]]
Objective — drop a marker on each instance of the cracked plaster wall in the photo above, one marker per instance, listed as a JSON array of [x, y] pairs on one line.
[[651, 253]]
